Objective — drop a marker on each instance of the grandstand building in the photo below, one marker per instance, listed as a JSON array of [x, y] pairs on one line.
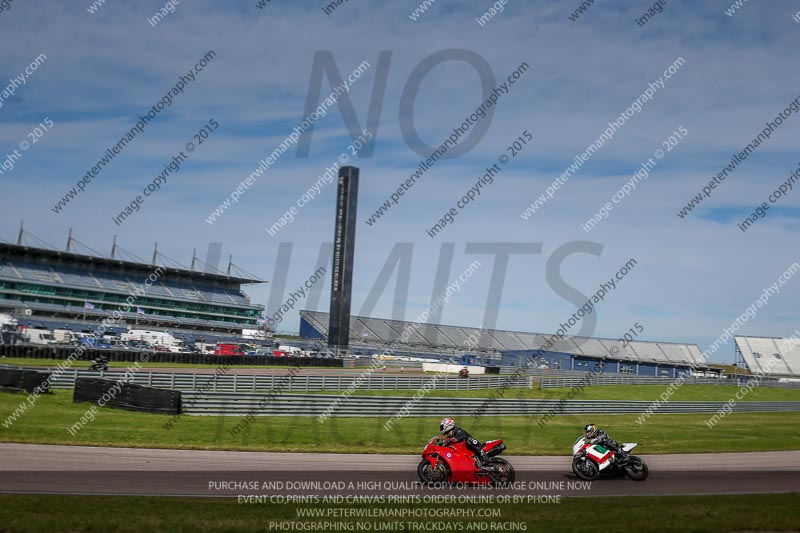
[[769, 356], [55, 289], [512, 348]]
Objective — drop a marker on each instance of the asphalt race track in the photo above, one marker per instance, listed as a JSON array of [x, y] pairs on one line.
[[44, 469]]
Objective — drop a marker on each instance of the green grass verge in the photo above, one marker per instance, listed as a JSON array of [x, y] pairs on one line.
[[121, 514], [48, 420], [685, 393]]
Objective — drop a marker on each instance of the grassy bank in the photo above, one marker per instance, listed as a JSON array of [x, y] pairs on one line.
[[686, 393], [119, 514], [48, 420]]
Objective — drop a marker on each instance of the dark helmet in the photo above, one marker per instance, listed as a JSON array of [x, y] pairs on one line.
[[590, 430]]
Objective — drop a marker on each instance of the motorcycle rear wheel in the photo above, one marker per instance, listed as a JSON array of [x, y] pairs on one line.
[[429, 475], [585, 469], [503, 473], [636, 469]]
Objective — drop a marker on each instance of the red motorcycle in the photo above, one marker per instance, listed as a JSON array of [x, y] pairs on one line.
[[446, 461]]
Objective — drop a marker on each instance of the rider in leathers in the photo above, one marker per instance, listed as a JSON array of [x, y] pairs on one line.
[[596, 435], [449, 429]]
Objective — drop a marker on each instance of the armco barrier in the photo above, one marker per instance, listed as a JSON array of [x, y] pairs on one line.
[[239, 404], [127, 396], [63, 352], [252, 382], [569, 382], [19, 379]]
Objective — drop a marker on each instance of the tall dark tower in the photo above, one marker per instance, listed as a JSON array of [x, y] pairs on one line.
[[344, 242]]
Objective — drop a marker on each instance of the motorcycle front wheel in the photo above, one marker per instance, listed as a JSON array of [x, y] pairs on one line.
[[503, 473], [428, 474], [636, 469], [585, 469]]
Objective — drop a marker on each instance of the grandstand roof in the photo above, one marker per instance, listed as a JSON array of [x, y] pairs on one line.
[[773, 356], [9, 250], [385, 331]]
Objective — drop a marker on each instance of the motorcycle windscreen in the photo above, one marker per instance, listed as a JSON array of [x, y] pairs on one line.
[[579, 442]]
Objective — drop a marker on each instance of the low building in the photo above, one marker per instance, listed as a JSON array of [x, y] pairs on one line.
[[515, 348]]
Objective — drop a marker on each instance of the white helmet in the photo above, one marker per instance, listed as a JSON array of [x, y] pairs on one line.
[[446, 425]]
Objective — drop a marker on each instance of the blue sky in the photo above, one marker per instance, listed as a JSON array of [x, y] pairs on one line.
[[694, 275]]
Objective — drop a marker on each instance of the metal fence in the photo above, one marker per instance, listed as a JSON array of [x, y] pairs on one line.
[[287, 383], [240, 394], [240, 404], [36, 351], [569, 382]]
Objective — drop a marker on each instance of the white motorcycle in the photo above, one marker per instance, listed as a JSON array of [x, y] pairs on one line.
[[589, 460]]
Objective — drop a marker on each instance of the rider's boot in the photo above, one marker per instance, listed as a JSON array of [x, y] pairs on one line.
[[483, 462], [622, 456]]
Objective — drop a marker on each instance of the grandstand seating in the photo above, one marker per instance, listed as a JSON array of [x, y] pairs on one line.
[[118, 283], [772, 356], [455, 338]]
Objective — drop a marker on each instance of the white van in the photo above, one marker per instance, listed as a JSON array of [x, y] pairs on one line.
[[39, 336], [65, 336], [156, 338], [294, 350], [206, 348]]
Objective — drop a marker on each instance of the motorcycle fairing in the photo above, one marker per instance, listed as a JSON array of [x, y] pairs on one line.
[[601, 455], [460, 461], [494, 447]]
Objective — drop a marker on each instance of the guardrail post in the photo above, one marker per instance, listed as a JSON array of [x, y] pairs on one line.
[[194, 381], [254, 382], [215, 382], [149, 379], [234, 384], [172, 385]]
